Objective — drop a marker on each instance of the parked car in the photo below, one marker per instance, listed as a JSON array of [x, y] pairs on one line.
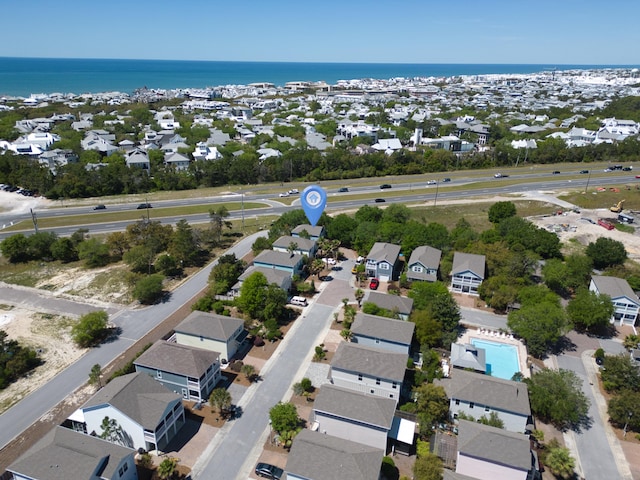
[[100, 207], [266, 470], [343, 190], [384, 186], [379, 200], [143, 206], [374, 284]]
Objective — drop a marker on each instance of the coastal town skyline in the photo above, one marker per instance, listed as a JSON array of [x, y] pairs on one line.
[[557, 33]]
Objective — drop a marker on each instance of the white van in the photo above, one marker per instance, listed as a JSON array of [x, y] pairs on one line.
[[299, 301]]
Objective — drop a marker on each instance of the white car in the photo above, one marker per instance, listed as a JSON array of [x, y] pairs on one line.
[[285, 194], [293, 191], [329, 261], [431, 182]]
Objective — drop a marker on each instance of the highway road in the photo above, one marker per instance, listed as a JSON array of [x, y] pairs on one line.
[[134, 324], [399, 193]]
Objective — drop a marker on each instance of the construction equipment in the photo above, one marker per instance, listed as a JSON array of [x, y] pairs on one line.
[[606, 224], [618, 207]]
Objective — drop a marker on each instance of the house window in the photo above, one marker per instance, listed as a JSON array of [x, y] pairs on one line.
[[120, 472], [377, 381], [384, 266], [471, 405], [372, 391], [455, 416], [158, 374], [201, 338], [377, 340], [125, 467], [457, 402], [393, 385], [417, 268], [391, 395], [486, 409], [359, 377]]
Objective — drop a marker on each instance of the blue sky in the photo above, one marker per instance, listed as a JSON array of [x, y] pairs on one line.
[[402, 31]]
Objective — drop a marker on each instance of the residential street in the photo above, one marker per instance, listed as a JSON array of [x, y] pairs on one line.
[[134, 323]]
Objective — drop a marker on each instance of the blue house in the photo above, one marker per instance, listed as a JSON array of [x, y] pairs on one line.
[[285, 261], [382, 261]]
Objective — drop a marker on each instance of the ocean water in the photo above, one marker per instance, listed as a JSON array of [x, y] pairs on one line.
[[25, 76]]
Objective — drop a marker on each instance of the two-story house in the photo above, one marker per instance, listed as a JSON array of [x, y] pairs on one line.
[[192, 372], [467, 272], [369, 370], [64, 454], [424, 264], [137, 158], [350, 415], [477, 395], [382, 332], [281, 278], [625, 301], [147, 413], [315, 456], [487, 453], [299, 245], [382, 261], [306, 230], [210, 331], [291, 263]]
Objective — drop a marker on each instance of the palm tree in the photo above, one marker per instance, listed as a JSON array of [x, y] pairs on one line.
[[167, 467], [631, 341], [220, 399], [316, 267], [560, 462], [94, 376], [286, 438], [249, 371], [359, 294]]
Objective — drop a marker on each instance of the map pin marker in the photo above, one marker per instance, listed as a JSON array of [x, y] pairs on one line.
[[313, 200]]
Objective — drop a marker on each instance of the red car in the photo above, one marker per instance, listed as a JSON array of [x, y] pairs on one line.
[[374, 284]]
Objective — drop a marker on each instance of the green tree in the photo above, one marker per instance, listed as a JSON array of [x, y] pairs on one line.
[[90, 329], [559, 460], [253, 295], [428, 467], [184, 245], [118, 243], [249, 371], [501, 210], [112, 431], [167, 265], [94, 253], [624, 409], [40, 245], [140, 259], [619, 372], [579, 270], [554, 273], [431, 405], [95, 376], [606, 252], [149, 289], [284, 417], [540, 325], [556, 396], [493, 420], [15, 248], [64, 250], [261, 243], [589, 310], [359, 295], [428, 330], [631, 341], [225, 273], [220, 400]]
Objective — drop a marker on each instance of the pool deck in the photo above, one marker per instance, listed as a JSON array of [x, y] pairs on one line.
[[496, 336]]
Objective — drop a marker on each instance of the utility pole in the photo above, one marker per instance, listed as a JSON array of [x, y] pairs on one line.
[[34, 219], [588, 178], [242, 203], [435, 200]]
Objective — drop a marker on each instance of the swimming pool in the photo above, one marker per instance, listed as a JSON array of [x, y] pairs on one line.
[[502, 359]]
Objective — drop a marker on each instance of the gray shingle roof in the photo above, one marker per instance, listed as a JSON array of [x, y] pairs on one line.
[[316, 456], [373, 326], [370, 361], [345, 403], [180, 359], [281, 259], [505, 395], [614, 287], [404, 305], [382, 251], [468, 261], [316, 231], [273, 276], [303, 244], [494, 445], [63, 454], [468, 356], [138, 396], [428, 257], [209, 325]]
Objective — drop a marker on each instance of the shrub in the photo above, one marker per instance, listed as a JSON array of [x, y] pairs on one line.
[[91, 329], [236, 366], [258, 341]]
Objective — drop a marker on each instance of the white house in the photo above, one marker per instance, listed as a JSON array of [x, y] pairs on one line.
[[489, 453], [206, 152], [477, 395], [624, 299], [467, 272], [148, 413], [368, 370]]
